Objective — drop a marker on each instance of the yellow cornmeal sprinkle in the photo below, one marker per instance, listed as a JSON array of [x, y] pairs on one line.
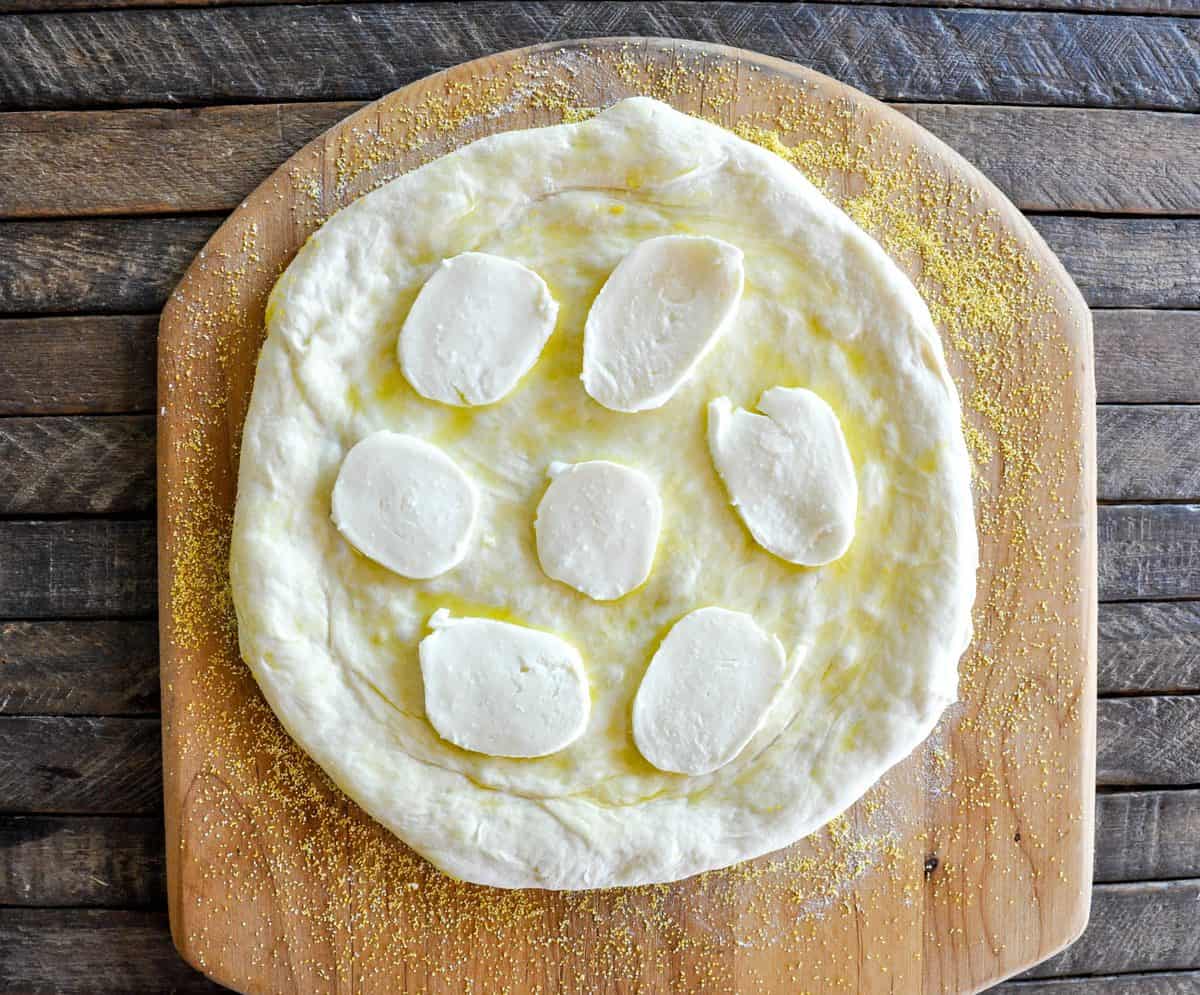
[[296, 886]]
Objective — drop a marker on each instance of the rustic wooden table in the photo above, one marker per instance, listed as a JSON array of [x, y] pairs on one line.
[[126, 134]]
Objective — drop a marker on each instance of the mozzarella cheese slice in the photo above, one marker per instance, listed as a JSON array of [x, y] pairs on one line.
[[477, 326], [788, 472], [405, 504], [658, 314], [502, 689], [706, 691], [597, 527]]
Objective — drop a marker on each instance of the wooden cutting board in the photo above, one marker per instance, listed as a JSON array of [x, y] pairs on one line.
[[969, 862]]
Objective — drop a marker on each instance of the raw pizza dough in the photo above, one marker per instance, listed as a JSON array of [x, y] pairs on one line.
[[873, 638]]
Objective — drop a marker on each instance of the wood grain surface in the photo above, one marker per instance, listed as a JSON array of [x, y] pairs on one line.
[[94, 365], [358, 51], [38, 942], [1183, 8], [131, 264], [96, 356], [1146, 552], [1152, 647], [944, 846], [76, 464], [205, 159], [1144, 357], [79, 668], [70, 765], [105, 364], [96, 465], [60, 861], [76, 568], [102, 764], [99, 567]]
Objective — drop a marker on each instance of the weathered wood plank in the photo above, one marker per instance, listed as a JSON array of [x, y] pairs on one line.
[[1134, 927], [1165, 983], [105, 364], [361, 51], [52, 764], [77, 464], [81, 860], [107, 266], [67, 365], [1144, 741], [118, 861], [1149, 552], [96, 266], [1129, 262], [79, 668], [1147, 835], [90, 951], [87, 568], [72, 463], [151, 161], [111, 667], [1070, 159], [1148, 452], [48, 6], [76, 569], [1151, 647], [207, 159], [1179, 8], [1147, 357]]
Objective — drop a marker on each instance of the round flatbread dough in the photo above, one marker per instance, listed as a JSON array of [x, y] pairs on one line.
[[332, 637]]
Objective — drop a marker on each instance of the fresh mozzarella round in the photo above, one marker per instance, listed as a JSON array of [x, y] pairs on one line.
[[597, 527], [405, 504], [657, 316], [707, 691], [788, 472], [477, 326], [502, 689]]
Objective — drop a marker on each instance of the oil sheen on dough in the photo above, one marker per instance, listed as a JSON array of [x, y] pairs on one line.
[[332, 637]]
